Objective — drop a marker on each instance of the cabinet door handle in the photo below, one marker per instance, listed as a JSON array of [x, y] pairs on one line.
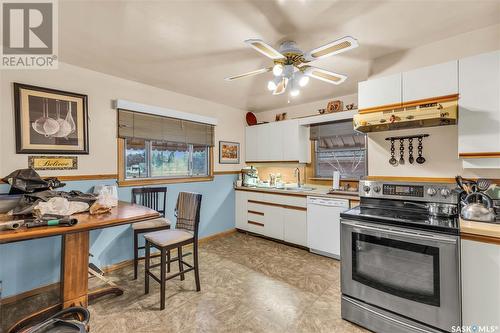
[[255, 212], [256, 223]]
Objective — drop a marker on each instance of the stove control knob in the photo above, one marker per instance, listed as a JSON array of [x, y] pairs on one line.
[[376, 189], [445, 192], [366, 188], [431, 191]]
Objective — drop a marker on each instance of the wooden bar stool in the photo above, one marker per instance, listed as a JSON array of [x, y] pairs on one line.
[[185, 233], [154, 198]]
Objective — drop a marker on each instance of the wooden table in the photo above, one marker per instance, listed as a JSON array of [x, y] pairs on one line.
[[75, 253]]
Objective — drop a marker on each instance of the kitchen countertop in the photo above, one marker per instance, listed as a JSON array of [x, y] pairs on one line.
[[319, 191], [480, 231]]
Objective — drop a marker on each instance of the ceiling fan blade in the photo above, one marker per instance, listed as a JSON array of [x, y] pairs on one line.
[[258, 71], [265, 49], [325, 75], [340, 45], [281, 87]]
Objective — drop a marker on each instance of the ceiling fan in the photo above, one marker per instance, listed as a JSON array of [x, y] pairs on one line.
[[291, 67]]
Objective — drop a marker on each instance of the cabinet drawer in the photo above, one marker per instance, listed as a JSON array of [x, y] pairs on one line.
[[256, 196], [256, 216], [288, 200], [255, 226]]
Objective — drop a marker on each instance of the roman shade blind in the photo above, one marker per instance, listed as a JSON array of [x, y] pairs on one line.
[[136, 125], [331, 129]]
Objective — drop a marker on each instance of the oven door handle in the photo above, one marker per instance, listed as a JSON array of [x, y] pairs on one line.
[[358, 227]]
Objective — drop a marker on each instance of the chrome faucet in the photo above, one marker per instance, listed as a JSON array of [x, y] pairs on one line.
[[297, 174]]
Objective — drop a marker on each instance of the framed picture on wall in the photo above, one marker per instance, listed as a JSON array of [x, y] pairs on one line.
[[229, 152], [50, 121]]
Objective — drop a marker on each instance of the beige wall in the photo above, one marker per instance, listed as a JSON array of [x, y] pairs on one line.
[[440, 151], [306, 109], [441, 148], [102, 89]]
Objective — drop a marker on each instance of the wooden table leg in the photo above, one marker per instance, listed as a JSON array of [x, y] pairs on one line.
[[74, 269], [74, 279]]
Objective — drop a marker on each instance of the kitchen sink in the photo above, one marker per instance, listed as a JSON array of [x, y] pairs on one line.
[[302, 188]]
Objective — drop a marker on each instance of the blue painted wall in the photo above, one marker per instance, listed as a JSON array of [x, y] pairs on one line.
[[30, 264]]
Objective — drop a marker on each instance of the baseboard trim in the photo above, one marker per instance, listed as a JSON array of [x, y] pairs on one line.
[[30, 293], [273, 239]]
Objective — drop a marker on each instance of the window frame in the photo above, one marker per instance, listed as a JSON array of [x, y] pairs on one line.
[[314, 163], [123, 181]]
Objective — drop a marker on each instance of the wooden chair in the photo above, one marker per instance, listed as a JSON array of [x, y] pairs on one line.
[[185, 233], [154, 198]]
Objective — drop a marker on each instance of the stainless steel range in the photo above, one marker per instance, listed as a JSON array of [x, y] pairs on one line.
[[400, 251]]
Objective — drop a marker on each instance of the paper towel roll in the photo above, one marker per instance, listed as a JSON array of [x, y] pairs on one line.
[[336, 180]]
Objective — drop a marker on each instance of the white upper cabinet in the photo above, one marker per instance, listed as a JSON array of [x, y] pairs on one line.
[[378, 92], [251, 149], [479, 109], [269, 142], [432, 81], [277, 141]]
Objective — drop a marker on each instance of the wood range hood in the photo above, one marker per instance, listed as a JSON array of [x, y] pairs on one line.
[[436, 111]]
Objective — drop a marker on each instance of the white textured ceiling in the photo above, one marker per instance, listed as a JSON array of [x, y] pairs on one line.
[[190, 46]]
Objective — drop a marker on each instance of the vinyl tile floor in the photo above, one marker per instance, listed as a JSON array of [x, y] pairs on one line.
[[248, 284]]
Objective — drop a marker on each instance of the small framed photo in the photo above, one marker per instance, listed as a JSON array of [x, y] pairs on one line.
[[229, 152], [50, 121]]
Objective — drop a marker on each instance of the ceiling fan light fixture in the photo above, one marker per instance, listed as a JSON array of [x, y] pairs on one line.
[[278, 69], [271, 85], [304, 80]]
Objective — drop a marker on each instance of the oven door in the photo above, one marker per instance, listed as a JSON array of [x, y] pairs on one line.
[[412, 273]]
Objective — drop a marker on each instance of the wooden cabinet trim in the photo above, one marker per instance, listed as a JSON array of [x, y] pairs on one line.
[[275, 161], [255, 223], [255, 212], [294, 207], [480, 238], [277, 205], [480, 155], [274, 193], [439, 99]]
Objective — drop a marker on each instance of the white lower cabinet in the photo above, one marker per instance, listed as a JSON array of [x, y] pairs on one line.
[[295, 226], [480, 283], [277, 216], [273, 217], [240, 208]]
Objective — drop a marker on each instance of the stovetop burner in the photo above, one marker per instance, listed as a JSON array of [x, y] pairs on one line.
[[404, 218], [407, 205]]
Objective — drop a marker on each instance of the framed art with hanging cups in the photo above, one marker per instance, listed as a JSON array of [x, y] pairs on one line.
[[50, 121]]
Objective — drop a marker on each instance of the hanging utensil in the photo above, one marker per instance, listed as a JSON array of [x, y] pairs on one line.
[[460, 182], [420, 147], [410, 150], [393, 160], [401, 151], [483, 184]]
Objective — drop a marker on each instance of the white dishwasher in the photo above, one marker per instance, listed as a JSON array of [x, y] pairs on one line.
[[323, 225]]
